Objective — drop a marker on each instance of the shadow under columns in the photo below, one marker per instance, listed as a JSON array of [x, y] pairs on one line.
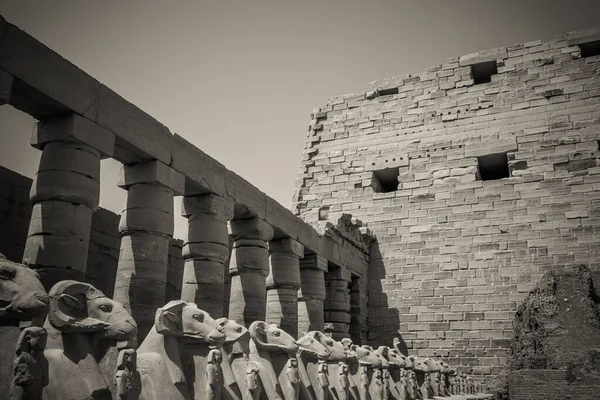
[[384, 320]]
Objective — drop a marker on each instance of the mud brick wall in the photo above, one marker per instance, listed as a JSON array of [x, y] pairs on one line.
[[103, 255], [455, 253]]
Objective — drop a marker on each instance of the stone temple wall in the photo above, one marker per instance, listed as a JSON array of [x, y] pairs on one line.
[[476, 176], [103, 253]]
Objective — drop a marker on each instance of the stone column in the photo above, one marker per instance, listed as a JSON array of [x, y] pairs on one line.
[[337, 303], [283, 283], [205, 250], [312, 293], [146, 229], [65, 193], [249, 268], [6, 81]]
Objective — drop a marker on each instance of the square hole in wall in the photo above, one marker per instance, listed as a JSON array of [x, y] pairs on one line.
[[324, 213], [385, 180], [493, 166], [590, 49], [482, 72]]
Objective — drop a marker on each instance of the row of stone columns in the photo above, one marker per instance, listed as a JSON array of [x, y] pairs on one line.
[[268, 281]]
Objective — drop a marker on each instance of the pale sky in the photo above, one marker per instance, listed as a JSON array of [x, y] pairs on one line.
[[239, 79]]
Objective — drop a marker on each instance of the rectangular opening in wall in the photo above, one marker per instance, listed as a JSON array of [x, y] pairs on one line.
[[355, 314], [493, 166], [324, 213], [482, 72], [385, 180], [590, 49]]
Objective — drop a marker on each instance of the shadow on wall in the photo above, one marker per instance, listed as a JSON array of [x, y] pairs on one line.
[[384, 321]]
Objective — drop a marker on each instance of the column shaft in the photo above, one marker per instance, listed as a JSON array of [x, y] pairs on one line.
[[249, 268], [65, 193], [283, 283], [206, 249], [312, 294], [337, 308], [146, 229]]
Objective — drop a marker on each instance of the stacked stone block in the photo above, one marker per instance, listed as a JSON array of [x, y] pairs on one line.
[[458, 253], [65, 193], [146, 229], [312, 293], [249, 268], [283, 283], [206, 250]]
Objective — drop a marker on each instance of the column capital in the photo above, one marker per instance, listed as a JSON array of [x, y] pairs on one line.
[[74, 128], [152, 171], [207, 204], [6, 81], [251, 229], [287, 245]]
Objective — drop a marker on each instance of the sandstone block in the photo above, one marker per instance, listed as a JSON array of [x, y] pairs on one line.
[[499, 53], [203, 173], [219, 206], [65, 186], [50, 84], [287, 245], [206, 251], [249, 260], [153, 171], [250, 202], [253, 228], [74, 128], [139, 137]]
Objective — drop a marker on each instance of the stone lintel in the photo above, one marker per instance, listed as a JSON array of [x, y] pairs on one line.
[[583, 36], [6, 82], [139, 137], [207, 204], [244, 193], [252, 228], [152, 172], [500, 146], [283, 220], [48, 83], [499, 53], [287, 245], [204, 174], [314, 261], [74, 127]]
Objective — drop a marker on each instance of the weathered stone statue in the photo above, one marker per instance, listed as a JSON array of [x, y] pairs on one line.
[[29, 366], [392, 381], [23, 302], [166, 358], [214, 375], [310, 351], [240, 379], [337, 354], [80, 318], [361, 371], [423, 368], [271, 349], [127, 378]]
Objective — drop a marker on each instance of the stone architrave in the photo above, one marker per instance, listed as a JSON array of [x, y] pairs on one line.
[[65, 193], [249, 267], [311, 294], [283, 283], [206, 249], [146, 229]]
